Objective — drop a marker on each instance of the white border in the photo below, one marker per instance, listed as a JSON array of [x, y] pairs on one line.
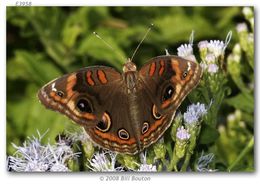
[[93, 179], [136, 3]]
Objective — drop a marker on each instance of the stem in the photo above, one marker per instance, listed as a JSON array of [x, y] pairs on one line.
[[169, 149], [164, 162], [173, 163], [191, 147], [160, 167], [249, 146], [186, 162]]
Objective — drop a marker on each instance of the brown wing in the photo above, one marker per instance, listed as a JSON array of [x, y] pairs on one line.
[[167, 80], [95, 98]]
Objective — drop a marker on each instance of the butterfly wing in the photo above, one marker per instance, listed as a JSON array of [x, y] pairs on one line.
[[96, 98], [75, 94], [166, 81]]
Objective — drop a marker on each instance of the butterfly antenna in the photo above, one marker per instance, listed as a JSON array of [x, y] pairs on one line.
[[108, 45], [148, 30]]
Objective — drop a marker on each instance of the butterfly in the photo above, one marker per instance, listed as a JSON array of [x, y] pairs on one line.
[[124, 112]]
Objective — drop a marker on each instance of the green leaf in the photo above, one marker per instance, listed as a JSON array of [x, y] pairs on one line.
[[208, 135], [95, 48], [31, 67], [26, 115], [242, 101]]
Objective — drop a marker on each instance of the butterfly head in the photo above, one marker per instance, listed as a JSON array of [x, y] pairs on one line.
[[129, 66]]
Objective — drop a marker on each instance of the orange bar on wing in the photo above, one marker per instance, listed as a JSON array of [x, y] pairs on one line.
[[102, 76], [152, 69]]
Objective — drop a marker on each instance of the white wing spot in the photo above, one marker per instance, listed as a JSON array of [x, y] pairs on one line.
[[53, 87], [189, 66]]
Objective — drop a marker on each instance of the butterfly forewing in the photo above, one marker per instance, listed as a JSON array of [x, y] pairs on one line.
[[78, 94]]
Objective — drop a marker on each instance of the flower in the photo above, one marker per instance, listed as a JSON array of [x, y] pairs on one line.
[[59, 168], [210, 58], [204, 66], [35, 157], [247, 12], [194, 112], [238, 114], [212, 68], [216, 47], [82, 137], [176, 123], [100, 162], [237, 49], [231, 117], [182, 133], [144, 167], [203, 45], [233, 58], [159, 150], [241, 27], [180, 147], [79, 135], [250, 38], [204, 162], [203, 48], [186, 51]]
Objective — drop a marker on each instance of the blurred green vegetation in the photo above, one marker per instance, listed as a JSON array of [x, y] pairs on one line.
[[45, 42]]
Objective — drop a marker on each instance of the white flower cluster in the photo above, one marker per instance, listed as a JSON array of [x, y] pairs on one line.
[[104, 162], [35, 157], [204, 161], [79, 135], [210, 51], [216, 47], [182, 133], [194, 113], [144, 167], [186, 51]]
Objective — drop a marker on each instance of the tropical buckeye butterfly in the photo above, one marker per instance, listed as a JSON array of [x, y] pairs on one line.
[[124, 112]]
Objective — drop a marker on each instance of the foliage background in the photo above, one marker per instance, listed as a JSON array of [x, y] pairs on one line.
[[45, 42]]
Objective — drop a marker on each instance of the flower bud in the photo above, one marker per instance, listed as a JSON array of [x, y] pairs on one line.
[[177, 122], [182, 138], [248, 12], [130, 161], [203, 48], [210, 58], [159, 150], [88, 148], [241, 27], [212, 68]]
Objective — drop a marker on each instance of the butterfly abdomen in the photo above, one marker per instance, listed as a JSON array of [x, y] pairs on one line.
[[131, 80]]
